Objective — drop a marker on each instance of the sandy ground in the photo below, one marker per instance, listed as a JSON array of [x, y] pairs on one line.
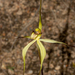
[[58, 19]]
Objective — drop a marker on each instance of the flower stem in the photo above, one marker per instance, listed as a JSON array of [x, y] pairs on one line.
[[40, 24]]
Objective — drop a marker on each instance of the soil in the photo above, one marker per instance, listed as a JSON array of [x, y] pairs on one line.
[[17, 19]]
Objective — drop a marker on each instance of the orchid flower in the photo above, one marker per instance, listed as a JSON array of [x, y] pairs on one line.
[[36, 38]]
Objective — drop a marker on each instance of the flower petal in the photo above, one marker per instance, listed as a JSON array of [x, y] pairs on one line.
[[42, 53], [51, 41], [25, 50]]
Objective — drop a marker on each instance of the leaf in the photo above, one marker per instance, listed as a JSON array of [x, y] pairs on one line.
[[42, 53], [25, 50], [51, 41]]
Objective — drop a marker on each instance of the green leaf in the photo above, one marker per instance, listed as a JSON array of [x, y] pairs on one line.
[[51, 41], [42, 53], [25, 50]]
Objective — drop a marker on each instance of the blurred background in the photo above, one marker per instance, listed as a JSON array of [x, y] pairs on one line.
[[17, 18]]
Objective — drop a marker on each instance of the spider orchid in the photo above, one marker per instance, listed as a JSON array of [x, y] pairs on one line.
[[36, 38]]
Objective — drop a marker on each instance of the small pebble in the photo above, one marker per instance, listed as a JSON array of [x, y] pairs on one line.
[[30, 72], [19, 12], [51, 66], [2, 74], [57, 67], [11, 72], [32, 14], [3, 66]]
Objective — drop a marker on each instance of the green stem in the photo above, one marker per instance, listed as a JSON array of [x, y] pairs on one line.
[[40, 7], [40, 24]]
